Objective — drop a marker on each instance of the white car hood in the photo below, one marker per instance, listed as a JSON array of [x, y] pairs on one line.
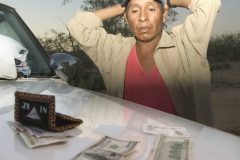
[[69, 100]]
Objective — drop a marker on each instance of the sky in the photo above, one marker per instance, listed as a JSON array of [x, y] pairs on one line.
[[43, 15]]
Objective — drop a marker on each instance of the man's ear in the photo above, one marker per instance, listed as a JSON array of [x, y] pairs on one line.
[[165, 11], [165, 14], [125, 18]]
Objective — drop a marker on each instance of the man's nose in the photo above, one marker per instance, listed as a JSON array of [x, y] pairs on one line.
[[143, 16]]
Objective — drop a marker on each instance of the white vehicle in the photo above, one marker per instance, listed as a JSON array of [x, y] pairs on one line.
[[102, 115]]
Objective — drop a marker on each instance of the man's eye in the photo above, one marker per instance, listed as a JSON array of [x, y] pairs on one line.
[[151, 9], [134, 11]]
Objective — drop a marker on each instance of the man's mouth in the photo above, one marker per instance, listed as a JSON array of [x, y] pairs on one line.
[[144, 29]]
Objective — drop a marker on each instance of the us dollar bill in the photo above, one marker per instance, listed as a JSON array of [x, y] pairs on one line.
[[38, 132], [33, 141], [108, 149], [172, 148], [169, 131]]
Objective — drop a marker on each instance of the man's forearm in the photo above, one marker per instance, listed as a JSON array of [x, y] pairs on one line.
[[179, 3], [107, 13]]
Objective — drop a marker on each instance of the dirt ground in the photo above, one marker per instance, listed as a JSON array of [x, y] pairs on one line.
[[225, 97]]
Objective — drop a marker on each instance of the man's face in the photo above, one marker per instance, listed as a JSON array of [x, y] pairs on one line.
[[145, 19]]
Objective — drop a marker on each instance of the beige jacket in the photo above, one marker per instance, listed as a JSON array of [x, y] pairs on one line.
[[180, 57]]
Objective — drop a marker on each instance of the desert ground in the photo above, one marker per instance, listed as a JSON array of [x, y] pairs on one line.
[[225, 98]]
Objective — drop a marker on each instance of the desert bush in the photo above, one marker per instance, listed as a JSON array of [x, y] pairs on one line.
[[225, 47], [219, 66]]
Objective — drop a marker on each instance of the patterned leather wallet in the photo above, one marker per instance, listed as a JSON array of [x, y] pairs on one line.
[[39, 110]]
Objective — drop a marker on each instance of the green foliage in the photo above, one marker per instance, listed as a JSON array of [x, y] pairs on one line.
[[224, 48], [55, 41]]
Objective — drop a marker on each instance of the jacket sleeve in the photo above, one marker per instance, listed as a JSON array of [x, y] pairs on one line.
[[100, 46], [197, 27]]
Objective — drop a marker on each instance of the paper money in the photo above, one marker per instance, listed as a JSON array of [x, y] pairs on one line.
[[172, 148], [169, 131], [108, 148], [38, 132], [31, 140]]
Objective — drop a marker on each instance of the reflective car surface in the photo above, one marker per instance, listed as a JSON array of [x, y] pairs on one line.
[[104, 115], [101, 114]]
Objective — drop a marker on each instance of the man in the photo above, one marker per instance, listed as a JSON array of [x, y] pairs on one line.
[[165, 71]]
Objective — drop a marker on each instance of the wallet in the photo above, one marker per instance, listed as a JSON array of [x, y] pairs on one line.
[[39, 111]]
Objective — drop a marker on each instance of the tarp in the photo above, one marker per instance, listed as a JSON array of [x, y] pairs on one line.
[[10, 49]]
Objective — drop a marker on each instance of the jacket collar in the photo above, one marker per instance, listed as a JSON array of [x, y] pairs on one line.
[[166, 41]]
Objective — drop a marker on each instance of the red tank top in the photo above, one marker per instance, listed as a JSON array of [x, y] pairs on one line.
[[144, 88]]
